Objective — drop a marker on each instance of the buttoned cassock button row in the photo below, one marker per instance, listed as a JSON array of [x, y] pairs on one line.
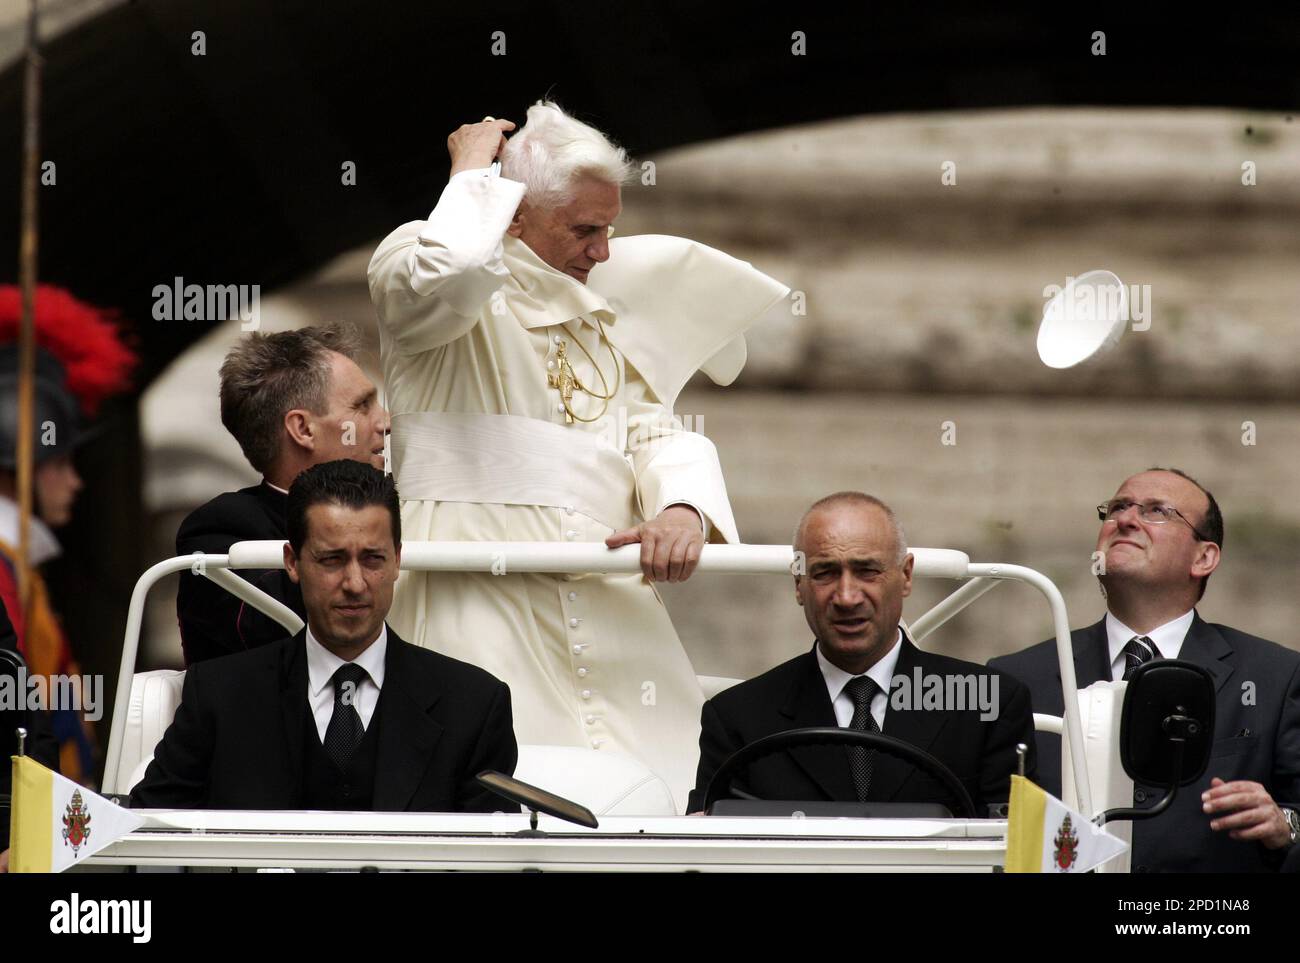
[[593, 720]]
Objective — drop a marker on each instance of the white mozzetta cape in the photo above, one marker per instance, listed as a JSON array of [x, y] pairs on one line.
[[470, 321]]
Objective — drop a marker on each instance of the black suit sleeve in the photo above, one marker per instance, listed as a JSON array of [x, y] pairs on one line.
[[1286, 756], [177, 778], [495, 749], [213, 622], [717, 742], [1014, 725], [207, 614], [1285, 782]]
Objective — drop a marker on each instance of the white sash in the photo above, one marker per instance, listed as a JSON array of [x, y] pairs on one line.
[[512, 460]]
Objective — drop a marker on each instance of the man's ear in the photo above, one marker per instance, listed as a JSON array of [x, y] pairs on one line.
[[1207, 559], [907, 574], [798, 596], [298, 423], [291, 563], [516, 228]]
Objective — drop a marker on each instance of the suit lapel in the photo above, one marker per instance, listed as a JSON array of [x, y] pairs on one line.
[[293, 705], [809, 704], [917, 726], [1205, 647], [1091, 655], [407, 733]]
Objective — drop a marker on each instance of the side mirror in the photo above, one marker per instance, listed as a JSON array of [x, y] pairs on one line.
[[1166, 729]]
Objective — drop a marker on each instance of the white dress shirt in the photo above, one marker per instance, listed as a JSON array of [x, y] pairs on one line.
[[882, 673], [321, 666], [1167, 638]]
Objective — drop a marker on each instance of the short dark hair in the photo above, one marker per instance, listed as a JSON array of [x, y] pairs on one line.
[[348, 483], [266, 375], [1211, 526]]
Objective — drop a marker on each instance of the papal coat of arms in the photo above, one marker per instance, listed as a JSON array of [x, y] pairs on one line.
[[1067, 845], [76, 823]]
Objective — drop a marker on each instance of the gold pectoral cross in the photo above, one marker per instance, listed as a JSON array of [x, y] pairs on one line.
[[564, 380]]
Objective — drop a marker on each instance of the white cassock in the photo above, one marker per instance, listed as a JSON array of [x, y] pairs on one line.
[[471, 323]]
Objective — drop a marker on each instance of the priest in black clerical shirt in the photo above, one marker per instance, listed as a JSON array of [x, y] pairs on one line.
[[344, 715], [291, 399]]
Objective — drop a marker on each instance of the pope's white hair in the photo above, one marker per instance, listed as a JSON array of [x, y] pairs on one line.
[[552, 149]]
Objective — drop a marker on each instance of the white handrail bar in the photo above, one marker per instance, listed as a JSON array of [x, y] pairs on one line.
[[1065, 660], [268, 605], [590, 558], [944, 610], [130, 649]]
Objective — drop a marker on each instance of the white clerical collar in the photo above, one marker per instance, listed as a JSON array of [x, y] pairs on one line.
[[547, 296], [322, 663], [42, 546], [882, 673], [1168, 638], [282, 491]]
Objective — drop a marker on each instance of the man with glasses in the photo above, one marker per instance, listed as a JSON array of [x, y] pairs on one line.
[[1161, 539]]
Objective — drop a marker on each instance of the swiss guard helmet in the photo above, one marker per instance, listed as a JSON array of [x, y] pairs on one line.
[[81, 359]]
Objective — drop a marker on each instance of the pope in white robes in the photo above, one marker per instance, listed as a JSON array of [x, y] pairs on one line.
[[531, 367]]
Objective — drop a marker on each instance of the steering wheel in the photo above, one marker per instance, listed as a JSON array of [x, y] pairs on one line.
[[720, 784]]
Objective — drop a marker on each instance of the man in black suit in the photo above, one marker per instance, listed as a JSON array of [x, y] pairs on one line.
[[862, 673], [1161, 539], [344, 715], [291, 399]]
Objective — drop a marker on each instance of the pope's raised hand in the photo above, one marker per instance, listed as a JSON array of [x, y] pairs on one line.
[[475, 146], [670, 543]]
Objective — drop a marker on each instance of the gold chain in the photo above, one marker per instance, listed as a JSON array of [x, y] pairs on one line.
[[568, 373]]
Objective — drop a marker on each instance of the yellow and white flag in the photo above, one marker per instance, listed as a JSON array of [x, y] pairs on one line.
[[56, 823], [1046, 836]]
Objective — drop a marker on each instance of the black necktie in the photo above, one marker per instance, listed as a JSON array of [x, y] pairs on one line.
[[1137, 651], [862, 690], [344, 733]]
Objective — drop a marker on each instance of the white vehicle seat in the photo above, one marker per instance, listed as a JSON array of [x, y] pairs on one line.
[[154, 698]]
